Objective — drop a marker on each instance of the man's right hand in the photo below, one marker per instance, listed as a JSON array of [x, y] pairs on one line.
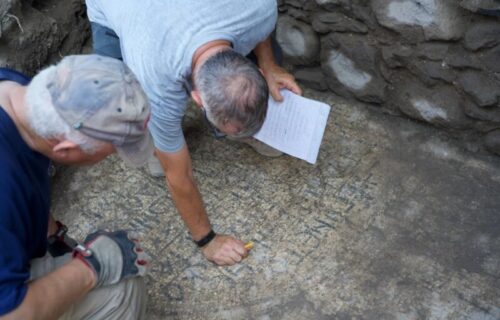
[[225, 250]]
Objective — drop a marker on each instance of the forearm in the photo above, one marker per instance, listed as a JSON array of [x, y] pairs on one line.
[[264, 53], [276, 77], [50, 296], [223, 249], [185, 193], [189, 203]]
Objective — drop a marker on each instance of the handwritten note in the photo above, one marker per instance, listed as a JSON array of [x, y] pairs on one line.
[[295, 126]]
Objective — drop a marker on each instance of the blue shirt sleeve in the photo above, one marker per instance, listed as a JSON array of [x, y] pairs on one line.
[[166, 119]]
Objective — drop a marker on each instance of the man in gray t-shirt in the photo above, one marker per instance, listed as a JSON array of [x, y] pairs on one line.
[[179, 48]]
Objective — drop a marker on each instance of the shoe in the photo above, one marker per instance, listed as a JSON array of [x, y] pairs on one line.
[[154, 167], [262, 148]]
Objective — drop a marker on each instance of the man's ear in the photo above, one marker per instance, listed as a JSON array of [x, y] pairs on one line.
[[195, 94], [63, 147]]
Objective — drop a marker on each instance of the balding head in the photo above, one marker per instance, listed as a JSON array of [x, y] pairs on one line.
[[234, 91]]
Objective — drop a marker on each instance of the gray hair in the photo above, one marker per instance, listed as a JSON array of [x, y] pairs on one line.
[[44, 119], [233, 90]]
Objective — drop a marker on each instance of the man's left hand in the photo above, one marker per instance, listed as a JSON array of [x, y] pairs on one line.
[[278, 78]]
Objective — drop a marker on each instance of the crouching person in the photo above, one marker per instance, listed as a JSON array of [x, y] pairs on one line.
[[77, 112]]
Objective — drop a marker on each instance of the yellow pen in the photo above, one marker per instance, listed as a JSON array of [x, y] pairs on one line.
[[249, 245]]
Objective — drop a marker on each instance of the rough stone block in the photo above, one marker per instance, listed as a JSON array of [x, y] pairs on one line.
[[310, 6], [54, 29], [492, 141], [298, 40], [346, 71], [312, 78], [440, 20], [361, 10], [491, 59], [333, 4], [324, 22], [397, 55], [430, 72], [490, 114], [10, 15], [353, 62], [432, 50], [484, 90], [458, 57], [298, 14], [295, 3], [440, 106], [487, 7], [28, 48], [482, 35], [6, 7]]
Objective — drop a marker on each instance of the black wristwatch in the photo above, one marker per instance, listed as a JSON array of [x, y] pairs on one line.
[[206, 239]]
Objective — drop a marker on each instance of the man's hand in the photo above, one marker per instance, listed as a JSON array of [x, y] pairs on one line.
[[225, 250], [113, 256], [278, 78]]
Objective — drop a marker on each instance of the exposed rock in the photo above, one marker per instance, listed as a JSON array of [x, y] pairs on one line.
[[361, 10], [298, 40], [312, 78], [430, 72], [42, 35], [396, 55], [482, 35], [333, 4], [10, 13], [491, 59], [388, 74], [440, 106], [310, 6], [432, 50], [488, 7], [352, 62], [440, 20], [306, 5], [492, 141], [484, 90], [295, 3], [299, 14], [491, 114], [24, 47], [458, 57], [5, 6], [432, 59], [324, 22]]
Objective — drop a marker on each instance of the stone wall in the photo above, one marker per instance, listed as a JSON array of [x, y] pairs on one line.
[[436, 61], [37, 32]]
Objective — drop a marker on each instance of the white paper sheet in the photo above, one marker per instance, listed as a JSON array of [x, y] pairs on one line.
[[295, 126]]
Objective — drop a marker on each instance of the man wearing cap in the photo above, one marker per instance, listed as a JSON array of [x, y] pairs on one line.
[[188, 47], [78, 112]]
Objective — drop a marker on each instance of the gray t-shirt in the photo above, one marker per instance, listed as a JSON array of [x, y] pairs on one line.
[[159, 37]]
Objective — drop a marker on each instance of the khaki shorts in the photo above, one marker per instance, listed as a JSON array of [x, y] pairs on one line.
[[125, 300]]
